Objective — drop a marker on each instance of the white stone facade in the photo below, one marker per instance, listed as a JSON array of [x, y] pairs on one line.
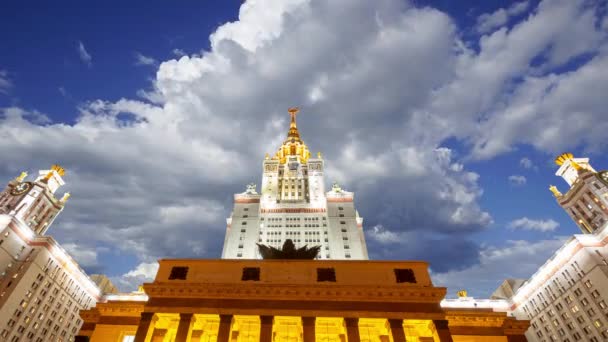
[[567, 298], [586, 202], [42, 289], [293, 204]]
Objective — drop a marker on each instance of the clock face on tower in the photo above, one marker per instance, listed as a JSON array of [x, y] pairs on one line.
[[21, 188], [603, 176]]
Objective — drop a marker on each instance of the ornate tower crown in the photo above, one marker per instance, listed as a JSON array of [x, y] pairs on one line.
[[293, 145], [59, 169], [563, 157]]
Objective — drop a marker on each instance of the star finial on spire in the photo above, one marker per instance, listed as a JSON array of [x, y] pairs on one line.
[[293, 111]]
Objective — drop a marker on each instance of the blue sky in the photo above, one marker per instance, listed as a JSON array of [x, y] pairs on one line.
[[444, 117]]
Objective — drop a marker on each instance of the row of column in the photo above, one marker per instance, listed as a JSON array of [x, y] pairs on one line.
[[186, 320]]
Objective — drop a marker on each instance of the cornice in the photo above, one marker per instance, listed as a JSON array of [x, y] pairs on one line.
[[403, 294], [120, 309]]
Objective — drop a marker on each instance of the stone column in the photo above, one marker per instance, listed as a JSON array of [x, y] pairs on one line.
[[443, 332], [223, 333], [308, 323], [266, 328], [145, 327], [159, 335], [517, 338], [184, 328], [397, 330], [352, 329]]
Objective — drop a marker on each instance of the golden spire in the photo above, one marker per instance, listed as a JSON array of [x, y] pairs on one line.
[[563, 157], [293, 145], [21, 177], [293, 126], [554, 190]]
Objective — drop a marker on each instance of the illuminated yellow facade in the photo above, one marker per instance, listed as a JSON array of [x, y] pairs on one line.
[[292, 301]]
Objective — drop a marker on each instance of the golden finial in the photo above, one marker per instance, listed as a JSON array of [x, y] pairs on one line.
[[21, 177], [59, 169], [462, 294], [319, 155], [266, 156], [65, 197], [140, 288], [554, 190], [563, 157]]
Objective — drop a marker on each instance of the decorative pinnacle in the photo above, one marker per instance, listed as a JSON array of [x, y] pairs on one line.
[[554, 190], [65, 197], [21, 177], [462, 293]]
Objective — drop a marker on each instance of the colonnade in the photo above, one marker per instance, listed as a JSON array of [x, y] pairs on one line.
[[233, 328]]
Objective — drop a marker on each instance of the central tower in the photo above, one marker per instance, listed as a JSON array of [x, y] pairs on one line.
[[293, 205]]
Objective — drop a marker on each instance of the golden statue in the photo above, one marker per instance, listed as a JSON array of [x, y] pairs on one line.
[[554, 190], [319, 155], [462, 294], [21, 177]]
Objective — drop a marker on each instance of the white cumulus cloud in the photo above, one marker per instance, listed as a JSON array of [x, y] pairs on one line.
[[517, 180], [530, 224]]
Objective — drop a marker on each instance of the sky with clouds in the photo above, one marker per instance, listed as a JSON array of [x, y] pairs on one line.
[[443, 118]]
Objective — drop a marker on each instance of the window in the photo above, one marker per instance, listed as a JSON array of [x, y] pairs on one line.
[[326, 274], [128, 338], [404, 275], [178, 272], [588, 283], [251, 273]]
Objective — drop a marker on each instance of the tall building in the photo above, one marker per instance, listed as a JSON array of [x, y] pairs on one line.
[[104, 284], [507, 289], [567, 298], [241, 299], [42, 289], [586, 201], [293, 205]]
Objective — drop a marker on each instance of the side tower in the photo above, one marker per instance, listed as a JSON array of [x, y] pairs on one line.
[[293, 204], [42, 288], [587, 199], [34, 202]]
